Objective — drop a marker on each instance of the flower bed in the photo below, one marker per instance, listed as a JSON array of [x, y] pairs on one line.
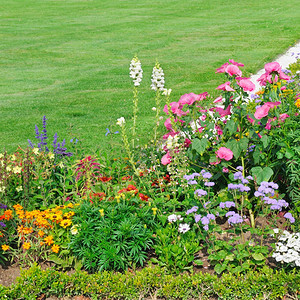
[[217, 190]]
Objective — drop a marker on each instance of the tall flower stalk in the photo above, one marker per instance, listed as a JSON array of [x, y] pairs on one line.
[[158, 83], [136, 73]]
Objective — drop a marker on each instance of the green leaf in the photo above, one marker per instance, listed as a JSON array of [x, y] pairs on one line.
[[279, 155], [289, 153], [258, 256], [231, 125], [199, 145], [230, 257], [219, 268], [198, 262], [265, 140], [260, 174]]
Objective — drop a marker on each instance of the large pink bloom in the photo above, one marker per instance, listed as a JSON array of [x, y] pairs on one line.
[[176, 108], [222, 68], [272, 67], [166, 159], [233, 70], [264, 110], [266, 77], [224, 153], [246, 84], [225, 87], [282, 117], [190, 98], [283, 76], [223, 112], [236, 63]]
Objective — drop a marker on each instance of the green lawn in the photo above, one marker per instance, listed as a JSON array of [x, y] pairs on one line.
[[69, 59]]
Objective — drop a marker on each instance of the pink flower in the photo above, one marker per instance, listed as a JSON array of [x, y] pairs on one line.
[[187, 143], [225, 87], [166, 159], [219, 99], [174, 107], [225, 170], [283, 88], [233, 70], [263, 111], [272, 67], [223, 112], [264, 78], [250, 120], [188, 99], [282, 117], [268, 125], [236, 63], [246, 84], [222, 68], [283, 76], [224, 153], [168, 124], [219, 130]]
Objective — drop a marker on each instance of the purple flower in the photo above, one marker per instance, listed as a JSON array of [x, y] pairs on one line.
[[3, 206], [191, 210], [209, 183], [205, 227], [240, 168], [244, 188], [188, 177], [232, 186], [206, 203], [2, 224], [205, 220], [197, 218], [227, 204], [238, 175], [196, 174], [258, 194], [235, 219], [206, 175], [211, 216], [230, 213], [200, 192], [192, 182], [249, 177], [244, 181], [289, 217]]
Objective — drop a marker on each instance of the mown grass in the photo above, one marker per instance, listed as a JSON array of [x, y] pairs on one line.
[[69, 59]]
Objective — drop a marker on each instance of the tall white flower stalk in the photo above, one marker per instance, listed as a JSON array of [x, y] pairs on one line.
[[157, 84], [136, 73]]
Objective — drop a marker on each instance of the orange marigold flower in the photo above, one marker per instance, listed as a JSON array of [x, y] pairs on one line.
[[26, 246], [27, 230], [41, 233], [49, 240], [65, 223], [55, 248], [5, 247], [8, 214], [17, 207]]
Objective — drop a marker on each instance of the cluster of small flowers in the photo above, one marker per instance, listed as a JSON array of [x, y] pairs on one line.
[[182, 228], [267, 189], [241, 186], [136, 72], [172, 142], [234, 218], [288, 248], [158, 80]]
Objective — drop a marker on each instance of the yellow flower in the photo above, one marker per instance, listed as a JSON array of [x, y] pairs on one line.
[[35, 151], [55, 248], [49, 240], [154, 209], [51, 155], [65, 223], [5, 247], [26, 246], [101, 212], [297, 103], [17, 169], [41, 233]]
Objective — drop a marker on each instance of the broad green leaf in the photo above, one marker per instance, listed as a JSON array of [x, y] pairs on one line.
[[219, 268], [289, 153], [265, 140], [258, 256], [231, 125], [199, 145], [260, 174], [198, 262]]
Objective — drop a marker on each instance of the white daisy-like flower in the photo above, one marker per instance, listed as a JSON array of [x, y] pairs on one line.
[[183, 228]]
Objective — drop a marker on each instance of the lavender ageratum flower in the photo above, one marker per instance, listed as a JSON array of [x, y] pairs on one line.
[[289, 217], [244, 188], [205, 227], [211, 216], [188, 177], [197, 218], [206, 175], [254, 96], [205, 220], [235, 219], [210, 183], [275, 207], [238, 175], [258, 194], [3, 206], [2, 224], [249, 177], [200, 192], [244, 181], [191, 210], [183, 228], [230, 213], [192, 182], [282, 203], [240, 168], [233, 186], [196, 175], [206, 203]]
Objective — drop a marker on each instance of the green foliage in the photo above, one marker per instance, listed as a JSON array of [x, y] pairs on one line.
[[113, 238], [265, 284]]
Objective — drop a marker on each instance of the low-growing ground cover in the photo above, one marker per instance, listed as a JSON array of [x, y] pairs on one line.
[[68, 60], [217, 193]]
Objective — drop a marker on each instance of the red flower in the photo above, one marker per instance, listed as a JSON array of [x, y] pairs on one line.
[[143, 197], [105, 179]]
